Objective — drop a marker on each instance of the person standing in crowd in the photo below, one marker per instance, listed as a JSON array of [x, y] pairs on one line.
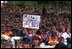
[[25, 43], [30, 35], [61, 44], [46, 33], [24, 33], [65, 35], [59, 34], [68, 31], [53, 39], [39, 33], [36, 42]]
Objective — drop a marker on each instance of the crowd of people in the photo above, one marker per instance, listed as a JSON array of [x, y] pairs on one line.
[[55, 27]]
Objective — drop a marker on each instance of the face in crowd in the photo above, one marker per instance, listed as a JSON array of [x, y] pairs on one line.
[[25, 45]]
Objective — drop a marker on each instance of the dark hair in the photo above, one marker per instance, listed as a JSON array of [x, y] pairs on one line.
[[38, 32], [26, 40], [68, 40], [36, 38]]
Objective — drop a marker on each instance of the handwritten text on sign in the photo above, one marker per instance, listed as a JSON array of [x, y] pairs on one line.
[[31, 21]]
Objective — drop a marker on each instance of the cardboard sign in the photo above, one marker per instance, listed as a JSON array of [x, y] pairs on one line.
[[31, 21]]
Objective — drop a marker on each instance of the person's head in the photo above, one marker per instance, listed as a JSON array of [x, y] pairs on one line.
[[42, 28], [24, 31], [63, 28], [67, 29], [53, 28], [34, 31], [9, 27], [61, 40], [8, 33], [26, 43], [36, 40], [7, 45], [47, 29], [30, 31], [54, 34], [38, 32]]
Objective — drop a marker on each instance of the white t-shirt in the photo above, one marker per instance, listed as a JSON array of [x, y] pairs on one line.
[[65, 35], [42, 45]]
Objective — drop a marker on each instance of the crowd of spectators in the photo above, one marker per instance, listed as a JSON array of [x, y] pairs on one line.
[[55, 27]]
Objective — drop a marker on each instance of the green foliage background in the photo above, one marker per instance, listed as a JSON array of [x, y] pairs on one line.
[[47, 4]]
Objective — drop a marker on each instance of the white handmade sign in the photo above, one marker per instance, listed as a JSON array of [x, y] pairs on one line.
[[31, 21]]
